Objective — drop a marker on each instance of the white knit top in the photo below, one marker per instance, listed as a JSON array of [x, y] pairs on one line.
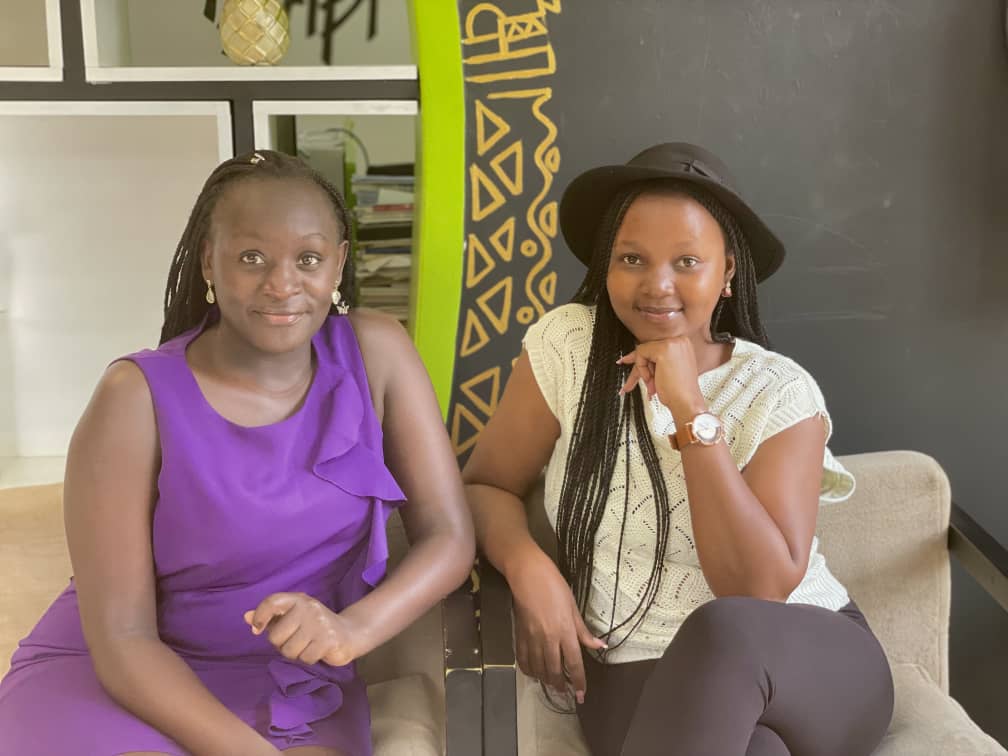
[[757, 394]]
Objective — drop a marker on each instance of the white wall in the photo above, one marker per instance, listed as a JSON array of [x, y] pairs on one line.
[[176, 33], [91, 208], [23, 39]]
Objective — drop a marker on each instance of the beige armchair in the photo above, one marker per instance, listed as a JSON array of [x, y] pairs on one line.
[[889, 544], [409, 679]]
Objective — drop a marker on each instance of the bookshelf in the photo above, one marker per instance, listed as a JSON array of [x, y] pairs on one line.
[[382, 204], [77, 74], [368, 149]]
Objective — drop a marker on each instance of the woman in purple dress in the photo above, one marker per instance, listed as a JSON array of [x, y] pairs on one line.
[[226, 498]]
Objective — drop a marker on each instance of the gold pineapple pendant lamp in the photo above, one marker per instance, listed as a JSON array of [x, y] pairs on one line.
[[254, 32]]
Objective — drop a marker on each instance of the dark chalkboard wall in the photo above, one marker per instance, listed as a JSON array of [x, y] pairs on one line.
[[873, 136]]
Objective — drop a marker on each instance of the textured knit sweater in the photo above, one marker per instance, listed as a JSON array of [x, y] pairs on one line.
[[757, 394]]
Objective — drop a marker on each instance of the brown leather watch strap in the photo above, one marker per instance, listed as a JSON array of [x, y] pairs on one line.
[[683, 437]]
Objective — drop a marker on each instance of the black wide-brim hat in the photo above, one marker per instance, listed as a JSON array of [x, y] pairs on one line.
[[588, 197]]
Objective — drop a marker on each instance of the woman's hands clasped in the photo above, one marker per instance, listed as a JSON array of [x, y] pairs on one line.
[[549, 630], [303, 628]]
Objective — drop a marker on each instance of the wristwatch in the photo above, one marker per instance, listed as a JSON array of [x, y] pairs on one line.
[[704, 429]]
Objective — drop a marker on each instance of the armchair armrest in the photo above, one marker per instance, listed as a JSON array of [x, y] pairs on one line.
[[982, 556], [463, 671], [979, 552]]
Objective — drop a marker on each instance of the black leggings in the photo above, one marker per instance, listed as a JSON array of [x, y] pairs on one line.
[[746, 677]]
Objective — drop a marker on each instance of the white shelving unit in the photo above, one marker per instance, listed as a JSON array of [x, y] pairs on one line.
[[95, 197], [102, 164], [53, 71], [109, 39], [264, 110], [217, 110]]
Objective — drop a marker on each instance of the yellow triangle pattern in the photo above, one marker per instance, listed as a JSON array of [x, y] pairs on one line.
[[501, 128], [548, 218], [474, 335], [500, 318], [523, 27], [475, 425], [504, 248], [512, 180], [547, 288], [475, 253], [480, 181], [469, 389]]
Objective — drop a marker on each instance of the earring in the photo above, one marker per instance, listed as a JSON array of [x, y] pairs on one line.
[[210, 298], [727, 289], [342, 307]]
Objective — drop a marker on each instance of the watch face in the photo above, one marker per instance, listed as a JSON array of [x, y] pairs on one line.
[[706, 427]]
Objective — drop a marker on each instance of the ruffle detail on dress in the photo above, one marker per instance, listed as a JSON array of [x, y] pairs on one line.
[[347, 461], [376, 558], [303, 695]]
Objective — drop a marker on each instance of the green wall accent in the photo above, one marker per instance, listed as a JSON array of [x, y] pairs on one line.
[[440, 190]]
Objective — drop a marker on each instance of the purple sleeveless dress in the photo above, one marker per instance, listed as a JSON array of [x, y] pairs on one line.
[[299, 505]]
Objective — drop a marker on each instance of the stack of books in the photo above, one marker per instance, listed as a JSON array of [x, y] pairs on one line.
[[383, 211]]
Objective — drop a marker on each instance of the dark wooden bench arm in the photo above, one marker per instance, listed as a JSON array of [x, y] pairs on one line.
[[463, 671], [979, 552], [500, 715]]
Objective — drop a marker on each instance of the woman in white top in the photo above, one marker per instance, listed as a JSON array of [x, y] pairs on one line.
[[685, 463]]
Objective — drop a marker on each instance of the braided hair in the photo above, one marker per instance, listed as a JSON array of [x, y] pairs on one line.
[[185, 303], [606, 420]]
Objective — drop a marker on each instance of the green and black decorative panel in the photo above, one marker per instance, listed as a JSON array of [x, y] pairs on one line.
[[511, 159]]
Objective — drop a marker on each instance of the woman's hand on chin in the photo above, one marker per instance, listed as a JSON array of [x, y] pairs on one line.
[[668, 368]]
